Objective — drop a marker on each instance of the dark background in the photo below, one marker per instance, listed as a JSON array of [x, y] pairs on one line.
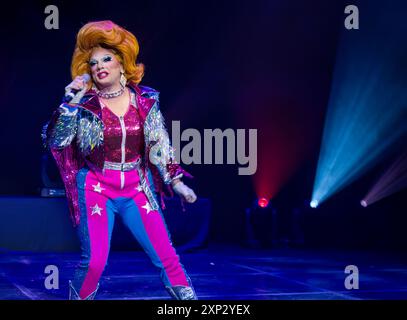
[[218, 64]]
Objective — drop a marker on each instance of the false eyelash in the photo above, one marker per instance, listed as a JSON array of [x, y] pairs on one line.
[[105, 59]]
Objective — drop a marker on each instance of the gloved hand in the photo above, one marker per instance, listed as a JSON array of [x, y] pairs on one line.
[[184, 192]]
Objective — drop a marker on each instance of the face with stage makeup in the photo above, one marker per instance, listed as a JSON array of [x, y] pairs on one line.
[[106, 69]]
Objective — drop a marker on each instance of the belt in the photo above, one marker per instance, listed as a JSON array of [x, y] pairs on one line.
[[125, 166], [128, 166]]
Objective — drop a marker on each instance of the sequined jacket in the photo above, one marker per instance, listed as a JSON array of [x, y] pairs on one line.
[[74, 135]]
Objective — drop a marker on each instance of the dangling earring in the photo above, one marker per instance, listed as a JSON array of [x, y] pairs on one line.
[[123, 80]]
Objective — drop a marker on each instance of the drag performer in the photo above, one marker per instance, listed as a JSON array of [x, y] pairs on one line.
[[115, 158]]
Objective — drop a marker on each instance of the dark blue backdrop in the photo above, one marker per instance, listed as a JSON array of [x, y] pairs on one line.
[[212, 61]]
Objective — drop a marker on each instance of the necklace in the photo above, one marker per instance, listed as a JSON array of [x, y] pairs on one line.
[[109, 95]]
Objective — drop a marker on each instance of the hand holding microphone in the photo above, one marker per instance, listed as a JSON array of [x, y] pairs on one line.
[[76, 89]]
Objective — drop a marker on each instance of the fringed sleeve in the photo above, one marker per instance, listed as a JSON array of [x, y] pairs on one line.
[[159, 151], [57, 136]]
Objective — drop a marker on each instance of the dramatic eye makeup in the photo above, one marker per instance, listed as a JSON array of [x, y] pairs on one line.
[[93, 62]]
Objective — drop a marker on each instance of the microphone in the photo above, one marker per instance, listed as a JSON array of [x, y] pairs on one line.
[[71, 93]]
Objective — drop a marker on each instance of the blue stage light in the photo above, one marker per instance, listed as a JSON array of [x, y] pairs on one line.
[[314, 204], [367, 106]]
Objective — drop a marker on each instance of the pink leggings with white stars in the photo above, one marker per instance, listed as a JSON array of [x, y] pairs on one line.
[[101, 198]]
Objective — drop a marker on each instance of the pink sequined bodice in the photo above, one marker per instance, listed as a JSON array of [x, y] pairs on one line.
[[121, 147]]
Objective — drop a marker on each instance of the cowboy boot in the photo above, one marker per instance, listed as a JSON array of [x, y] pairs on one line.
[[73, 294], [182, 293]]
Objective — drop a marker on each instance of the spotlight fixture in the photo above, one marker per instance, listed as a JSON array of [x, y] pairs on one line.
[[263, 202], [314, 204]]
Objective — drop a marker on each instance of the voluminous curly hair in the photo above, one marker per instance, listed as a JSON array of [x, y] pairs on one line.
[[108, 35]]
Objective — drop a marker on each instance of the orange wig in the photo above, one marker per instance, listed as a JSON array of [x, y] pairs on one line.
[[108, 35]]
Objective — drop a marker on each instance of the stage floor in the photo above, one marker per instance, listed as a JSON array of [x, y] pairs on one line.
[[218, 272]]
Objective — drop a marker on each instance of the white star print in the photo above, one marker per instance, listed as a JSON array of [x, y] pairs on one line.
[[96, 210], [98, 188], [139, 188], [147, 207]]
